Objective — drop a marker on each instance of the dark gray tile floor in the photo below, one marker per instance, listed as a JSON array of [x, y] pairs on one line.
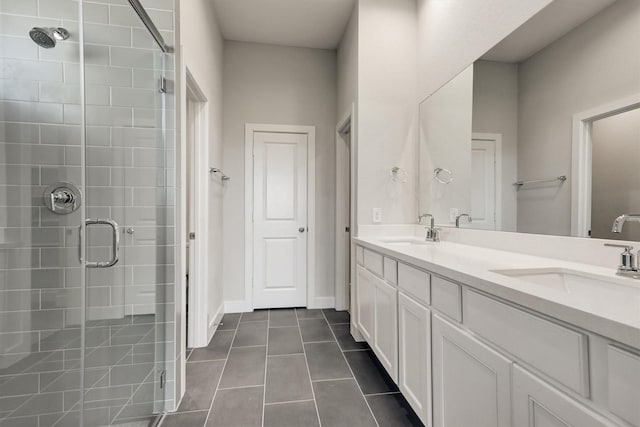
[[288, 368]]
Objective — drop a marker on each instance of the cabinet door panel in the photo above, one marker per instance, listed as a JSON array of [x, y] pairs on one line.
[[539, 404], [385, 341], [364, 293], [471, 382], [414, 354]]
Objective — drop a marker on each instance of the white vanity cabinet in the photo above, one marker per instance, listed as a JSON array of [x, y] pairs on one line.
[[538, 404], [471, 382], [365, 300], [414, 352], [464, 357], [385, 330]]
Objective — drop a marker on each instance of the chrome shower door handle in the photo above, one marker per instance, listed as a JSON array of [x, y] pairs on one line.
[[115, 243]]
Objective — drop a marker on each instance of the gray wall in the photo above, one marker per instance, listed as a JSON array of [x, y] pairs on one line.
[[278, 85], [593, 65], [495, 110], [616, 175]]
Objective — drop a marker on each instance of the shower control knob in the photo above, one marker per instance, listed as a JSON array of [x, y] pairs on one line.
[[62, 198], [130, 230]]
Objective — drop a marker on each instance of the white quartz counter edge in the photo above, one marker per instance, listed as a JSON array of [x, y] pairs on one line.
[[595, 316]]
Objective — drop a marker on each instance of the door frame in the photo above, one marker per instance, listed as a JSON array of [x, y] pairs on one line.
[[497, 138], [197, 178], [344, 154], [310, 131], [581, 170]]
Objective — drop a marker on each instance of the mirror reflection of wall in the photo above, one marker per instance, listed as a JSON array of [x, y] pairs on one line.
[[616, 174], [573, 57]]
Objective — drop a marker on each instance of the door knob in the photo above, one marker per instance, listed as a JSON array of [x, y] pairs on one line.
[[301, 229]]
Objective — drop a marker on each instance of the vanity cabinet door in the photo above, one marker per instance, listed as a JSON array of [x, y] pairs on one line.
[[364, 296], [414, 354], [539, 404], [385, 341], [471, 382]]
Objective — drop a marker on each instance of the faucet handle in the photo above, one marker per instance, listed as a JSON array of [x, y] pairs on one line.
[[627, 258]]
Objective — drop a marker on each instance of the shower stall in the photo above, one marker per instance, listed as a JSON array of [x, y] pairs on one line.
[[87, 193]]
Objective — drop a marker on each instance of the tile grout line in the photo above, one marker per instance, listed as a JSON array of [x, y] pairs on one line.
[[304, 351], [351, 370], [235, 332], [288, 401], [266, 365]]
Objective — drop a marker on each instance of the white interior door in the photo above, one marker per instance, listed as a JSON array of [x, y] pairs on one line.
[[279, 219], [483, 184]]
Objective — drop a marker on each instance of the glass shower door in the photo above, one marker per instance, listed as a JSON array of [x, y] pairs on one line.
[[127, 193], [86, 216]]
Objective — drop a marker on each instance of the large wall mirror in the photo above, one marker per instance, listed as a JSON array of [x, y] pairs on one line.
[[542, 133]]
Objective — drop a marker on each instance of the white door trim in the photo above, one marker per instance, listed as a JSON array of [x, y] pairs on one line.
[[345, 125], [581, 160], [198, 331], [497, 137], [310, 131]]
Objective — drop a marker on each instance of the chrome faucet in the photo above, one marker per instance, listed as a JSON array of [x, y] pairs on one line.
[[460, 216], [433, 234], [628, 266], [619, 222]]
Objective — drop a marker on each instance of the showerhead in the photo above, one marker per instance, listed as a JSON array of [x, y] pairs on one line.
[[48, 37]]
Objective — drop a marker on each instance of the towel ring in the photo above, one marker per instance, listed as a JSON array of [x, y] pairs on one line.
[[447, 179]]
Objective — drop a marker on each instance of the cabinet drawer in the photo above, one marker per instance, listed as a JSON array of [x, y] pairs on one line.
[[373, 262], [390, 270], [446, 297], [415, 282], [554, 350], [624, 384], [360, 255]]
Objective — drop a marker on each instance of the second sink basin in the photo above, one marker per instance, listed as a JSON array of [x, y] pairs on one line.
[[576, 282]]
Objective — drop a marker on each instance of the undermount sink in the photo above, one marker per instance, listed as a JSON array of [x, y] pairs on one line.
[[404, 241], [574, 282]]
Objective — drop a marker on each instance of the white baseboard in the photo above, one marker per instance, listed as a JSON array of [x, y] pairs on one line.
[[322, 302], [238, 306], [215, 321]]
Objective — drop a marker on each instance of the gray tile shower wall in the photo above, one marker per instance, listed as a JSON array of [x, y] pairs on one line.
[[129, 177]]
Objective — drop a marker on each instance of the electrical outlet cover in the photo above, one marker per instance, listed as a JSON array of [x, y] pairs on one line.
[[377, 215]]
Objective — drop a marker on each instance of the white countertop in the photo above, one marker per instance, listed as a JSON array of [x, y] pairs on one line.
[[613, 313]]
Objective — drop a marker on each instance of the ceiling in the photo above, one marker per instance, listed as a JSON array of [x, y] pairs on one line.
[[301, 23], [553, 22]]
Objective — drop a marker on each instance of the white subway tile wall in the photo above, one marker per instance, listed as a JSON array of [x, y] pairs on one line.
[[129, 155]]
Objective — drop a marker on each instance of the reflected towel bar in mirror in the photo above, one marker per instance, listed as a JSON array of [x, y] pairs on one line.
[[561, 179]]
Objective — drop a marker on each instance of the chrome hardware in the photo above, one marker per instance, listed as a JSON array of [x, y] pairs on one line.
[[192, 236], [460, 216], [433, 234], [115, 243], [301, 229], [130, 230], [619, 222], [561, 178], [62, 198], [162, 85], [446, 180], [628, 266]]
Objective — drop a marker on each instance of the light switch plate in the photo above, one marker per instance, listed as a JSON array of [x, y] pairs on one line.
[[377, 215], [453, 213]]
